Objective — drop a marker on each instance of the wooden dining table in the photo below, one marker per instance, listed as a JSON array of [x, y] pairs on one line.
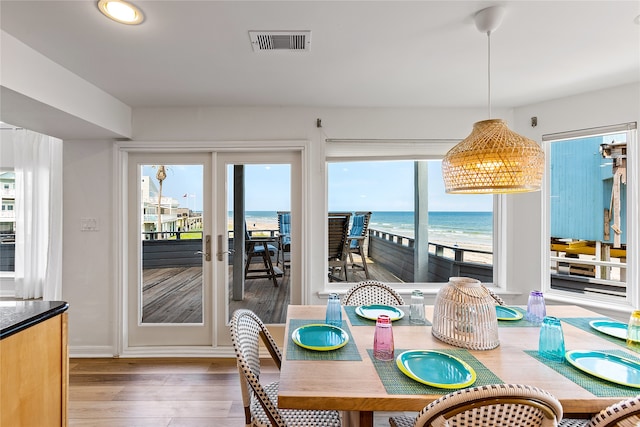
[[309, 380]]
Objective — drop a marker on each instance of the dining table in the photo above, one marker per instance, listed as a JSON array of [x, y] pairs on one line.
[[350, 379]]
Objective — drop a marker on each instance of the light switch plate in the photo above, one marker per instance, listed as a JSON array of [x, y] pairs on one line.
[[88, 224]]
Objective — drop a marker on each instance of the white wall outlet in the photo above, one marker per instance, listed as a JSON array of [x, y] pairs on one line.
[[88, 224]]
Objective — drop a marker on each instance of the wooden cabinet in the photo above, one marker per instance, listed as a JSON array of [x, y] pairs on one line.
[[34, 372]]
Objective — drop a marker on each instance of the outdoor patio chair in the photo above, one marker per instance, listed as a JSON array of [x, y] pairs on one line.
[[338, 242], [372, 292], [495, 405], [284, 237], [357, 236], [261, 400], [625, 413], [262, 248]]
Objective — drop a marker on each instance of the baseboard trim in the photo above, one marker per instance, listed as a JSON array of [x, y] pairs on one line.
[[89, 351]]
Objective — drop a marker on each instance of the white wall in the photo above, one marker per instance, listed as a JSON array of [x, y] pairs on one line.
[[88, 273]]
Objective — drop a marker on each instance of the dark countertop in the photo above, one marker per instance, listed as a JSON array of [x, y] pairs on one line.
[[16, 316]]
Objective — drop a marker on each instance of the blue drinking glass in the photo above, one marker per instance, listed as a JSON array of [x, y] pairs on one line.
[[334, 311], [551, 344]]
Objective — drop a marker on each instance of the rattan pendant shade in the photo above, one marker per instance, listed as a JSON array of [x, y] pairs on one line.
[[493, 159]]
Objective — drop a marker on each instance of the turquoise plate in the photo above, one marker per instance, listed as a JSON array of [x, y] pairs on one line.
[[320, 337], [609, 367], [609, 327], [373, 311], [506, 313], [436, 369]]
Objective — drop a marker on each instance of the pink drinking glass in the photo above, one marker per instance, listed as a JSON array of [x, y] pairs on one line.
[[383, 339]]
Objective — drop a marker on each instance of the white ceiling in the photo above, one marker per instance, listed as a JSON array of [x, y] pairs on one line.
[[362, 53]]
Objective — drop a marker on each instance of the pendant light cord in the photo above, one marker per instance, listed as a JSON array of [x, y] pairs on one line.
[[489, 71]]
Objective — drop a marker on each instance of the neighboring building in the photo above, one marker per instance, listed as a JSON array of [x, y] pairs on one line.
[[8, 196], [169, 217]]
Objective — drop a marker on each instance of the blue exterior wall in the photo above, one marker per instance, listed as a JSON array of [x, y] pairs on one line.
[[581, 182]]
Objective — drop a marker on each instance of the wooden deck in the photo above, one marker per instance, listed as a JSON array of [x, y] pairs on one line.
[[174, 295]]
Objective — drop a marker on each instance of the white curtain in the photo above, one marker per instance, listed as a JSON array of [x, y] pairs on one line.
[[38, 206]]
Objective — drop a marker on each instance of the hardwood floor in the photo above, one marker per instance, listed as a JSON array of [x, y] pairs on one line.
[[161, 393]]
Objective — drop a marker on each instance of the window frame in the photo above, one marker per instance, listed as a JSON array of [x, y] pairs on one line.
[[352, 150], [632, 298]]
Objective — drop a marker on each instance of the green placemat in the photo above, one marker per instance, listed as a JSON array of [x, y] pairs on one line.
[[395, 382], [595, 385], [517, 323], [361, 321], [295, 352], [583, 323]]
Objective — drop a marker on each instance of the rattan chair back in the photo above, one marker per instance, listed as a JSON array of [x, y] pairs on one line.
[[625, 413], [495, 405], [372, 292], [261, 400]]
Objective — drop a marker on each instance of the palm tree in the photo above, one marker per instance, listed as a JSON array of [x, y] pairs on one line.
[[161, 175]]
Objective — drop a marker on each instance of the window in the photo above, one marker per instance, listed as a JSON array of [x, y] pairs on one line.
[[590, 211], [7, 222], [455, 232]]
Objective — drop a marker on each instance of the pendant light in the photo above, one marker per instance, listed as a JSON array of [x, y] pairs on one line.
[[493, 158]]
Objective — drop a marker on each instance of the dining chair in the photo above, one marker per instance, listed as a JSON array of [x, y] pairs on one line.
[[494, 405], [625, 413], [260, 401], [372, 292], [357, 236]]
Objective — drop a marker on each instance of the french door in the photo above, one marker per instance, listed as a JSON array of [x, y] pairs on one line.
[[178, 252], [169, 244], [251, 189]]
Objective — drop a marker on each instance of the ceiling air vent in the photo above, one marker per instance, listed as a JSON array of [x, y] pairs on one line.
[[280, 40]]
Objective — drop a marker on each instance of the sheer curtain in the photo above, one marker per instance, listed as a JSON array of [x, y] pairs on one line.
[[38, 206]]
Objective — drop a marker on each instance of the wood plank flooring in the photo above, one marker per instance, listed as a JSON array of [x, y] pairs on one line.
[[172, 295], [166, 392]]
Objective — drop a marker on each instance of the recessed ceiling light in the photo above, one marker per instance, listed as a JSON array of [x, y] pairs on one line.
[[121, 11]]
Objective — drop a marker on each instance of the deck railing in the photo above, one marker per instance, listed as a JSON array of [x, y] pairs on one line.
[[396, 253]]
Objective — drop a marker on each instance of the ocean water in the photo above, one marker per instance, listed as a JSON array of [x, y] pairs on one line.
[[461, 228]]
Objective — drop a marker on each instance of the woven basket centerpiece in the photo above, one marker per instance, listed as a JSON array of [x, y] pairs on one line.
[[464, 315]]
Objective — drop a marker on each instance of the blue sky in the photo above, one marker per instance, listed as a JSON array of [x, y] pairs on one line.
[[374, 186]]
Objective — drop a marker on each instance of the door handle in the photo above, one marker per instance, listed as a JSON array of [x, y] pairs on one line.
[[220, 252], [207, 248]]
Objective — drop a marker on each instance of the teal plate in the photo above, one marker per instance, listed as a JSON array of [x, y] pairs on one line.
[[609, 367], [373, 311], [609, 327], [320, 337], [436, 369], [506, 313]]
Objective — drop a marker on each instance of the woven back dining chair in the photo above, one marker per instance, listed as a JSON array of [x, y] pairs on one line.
[[625, 413], [260, 401], [494, 405], [372, 292]]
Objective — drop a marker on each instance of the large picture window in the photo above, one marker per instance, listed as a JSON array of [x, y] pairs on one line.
[[413, 231], [589, 211]]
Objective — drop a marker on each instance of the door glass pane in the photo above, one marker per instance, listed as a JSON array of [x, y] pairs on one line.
[[588, 214], [262, 265], [458, 228], [171, 232]]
